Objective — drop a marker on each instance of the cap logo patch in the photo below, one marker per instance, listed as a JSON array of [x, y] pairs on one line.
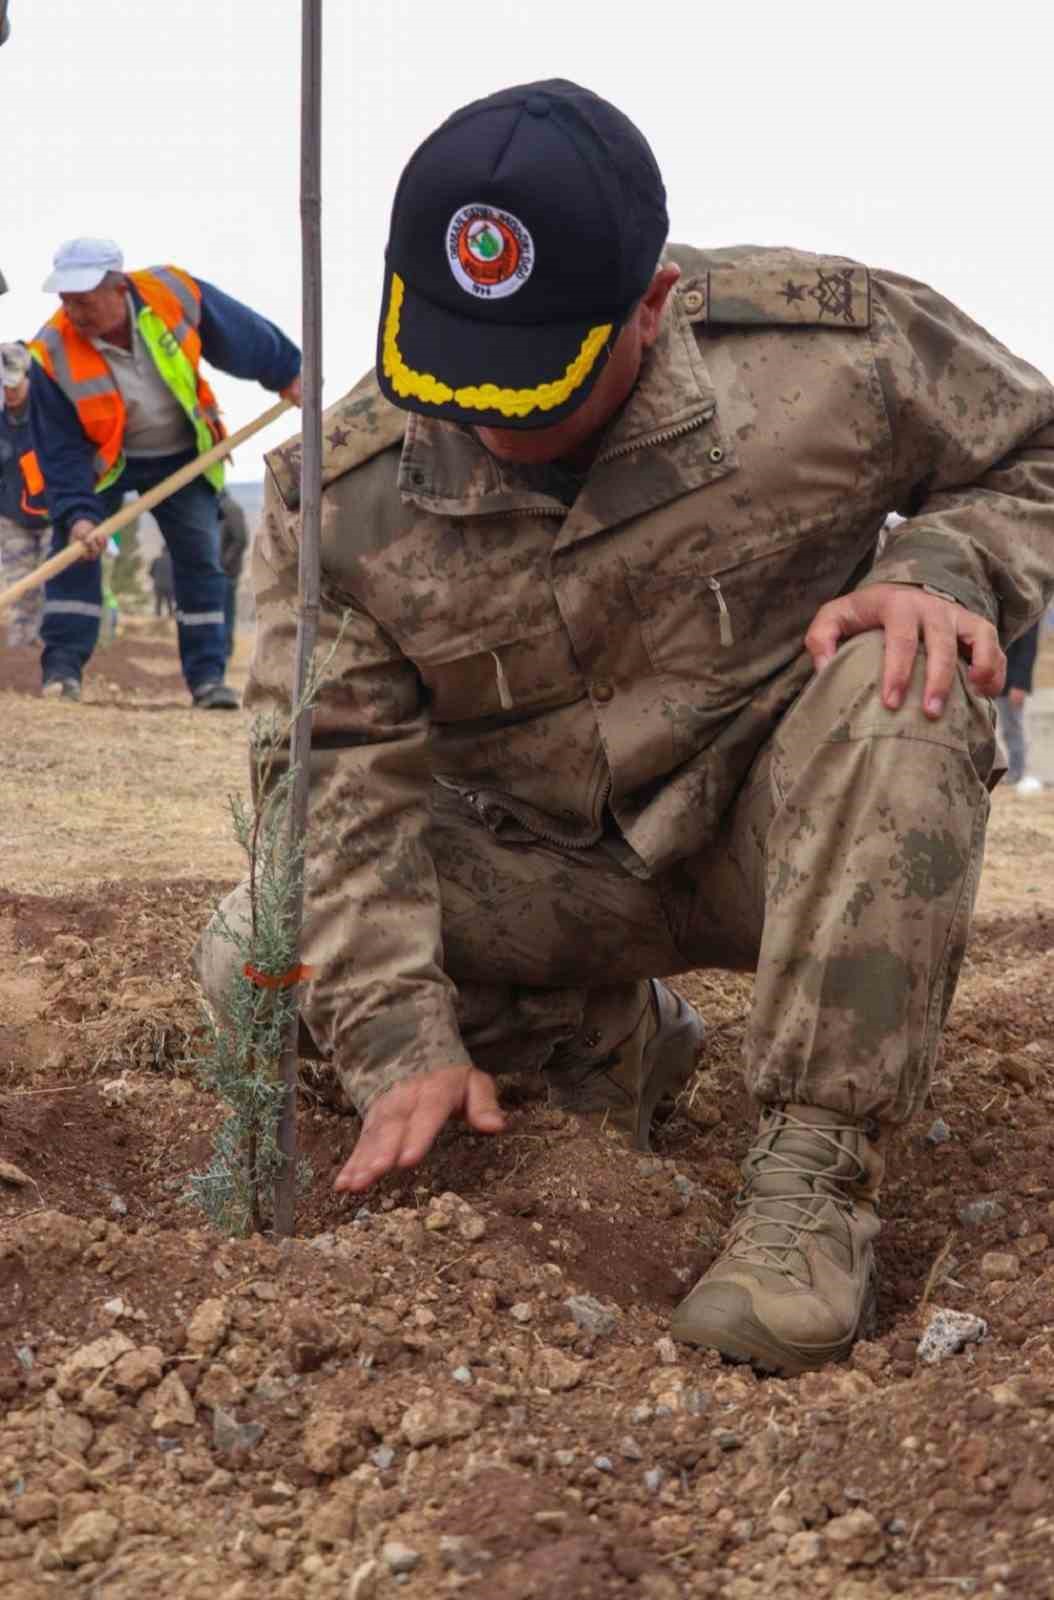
[[490, 252]]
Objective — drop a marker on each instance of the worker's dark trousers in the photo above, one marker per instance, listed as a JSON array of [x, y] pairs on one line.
[[189, 524]]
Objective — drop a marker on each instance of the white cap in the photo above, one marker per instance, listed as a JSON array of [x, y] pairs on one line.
[[14, 363], [82, 264]]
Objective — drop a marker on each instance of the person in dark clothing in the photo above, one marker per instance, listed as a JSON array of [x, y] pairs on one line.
[[234, 541], [1010, 706], [164, 585]]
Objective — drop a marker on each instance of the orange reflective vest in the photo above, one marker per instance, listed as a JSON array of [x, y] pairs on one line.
[[33, 485], [84, 377]]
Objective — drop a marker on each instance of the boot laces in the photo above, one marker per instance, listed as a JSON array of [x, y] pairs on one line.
[[794, 1186]]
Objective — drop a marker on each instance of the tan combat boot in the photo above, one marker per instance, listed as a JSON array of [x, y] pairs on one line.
[[795, 1287], [623, 1086]]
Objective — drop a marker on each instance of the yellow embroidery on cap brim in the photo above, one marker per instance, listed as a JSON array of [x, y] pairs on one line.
[[484, 397]]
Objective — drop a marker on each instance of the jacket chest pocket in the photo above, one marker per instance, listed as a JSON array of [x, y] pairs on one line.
[[513, 679], [729, 629]]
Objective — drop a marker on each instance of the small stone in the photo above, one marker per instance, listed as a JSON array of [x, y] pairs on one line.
[[118, 1206], [13, 1175], [704, 1113], [229, 1436], [324, 1440], [658, 1586], [208, 1327], [1033, 1244], [870, 1357], [977, 1212], [89, 1360], [59, 1239], [334, 1521], [591, 1315], [603, 1463], [1029, 1494], [383, 1457], [642, 1413], [653, 1479], [29, 1509], [521, 1312], [471, 1226], [557, 1371], [727, 1441], [564, 1458], [459, 1554], [1000, 1264], [948, 1332], [938, 1132], [138, 1370], [630, 1449], [173, 1407], [855, 1539], [666, 1351], [89, 1537], [803, 1549], [462, 1375], [400, 1557], [430, 1422]]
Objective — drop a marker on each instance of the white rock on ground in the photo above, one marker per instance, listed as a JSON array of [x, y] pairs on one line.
[[948, 1332]]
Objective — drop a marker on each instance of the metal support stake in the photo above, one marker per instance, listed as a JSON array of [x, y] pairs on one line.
[[310, 539]]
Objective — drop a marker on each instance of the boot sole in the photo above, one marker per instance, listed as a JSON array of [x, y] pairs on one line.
[[679, 1043], [751, 1344]]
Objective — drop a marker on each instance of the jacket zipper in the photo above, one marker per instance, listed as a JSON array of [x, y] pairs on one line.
[[509, 808], [663, 437]]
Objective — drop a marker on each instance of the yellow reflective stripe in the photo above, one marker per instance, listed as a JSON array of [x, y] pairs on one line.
[[483, 397]]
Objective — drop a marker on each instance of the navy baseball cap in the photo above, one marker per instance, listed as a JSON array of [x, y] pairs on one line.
[[523, 233]]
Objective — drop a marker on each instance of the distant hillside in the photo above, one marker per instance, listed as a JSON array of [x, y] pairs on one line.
[[249, 496]]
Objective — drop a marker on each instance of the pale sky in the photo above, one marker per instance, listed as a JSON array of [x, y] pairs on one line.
[[915, 136]]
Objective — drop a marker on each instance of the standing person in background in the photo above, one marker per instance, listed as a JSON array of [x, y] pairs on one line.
[[1020, 665], [24, 526], [118, 403], [161, 578], [234, 541]]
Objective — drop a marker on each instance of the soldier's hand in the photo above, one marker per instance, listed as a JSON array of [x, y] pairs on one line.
[[87, 534], [292, 391], [401, 1125], [908, 616]]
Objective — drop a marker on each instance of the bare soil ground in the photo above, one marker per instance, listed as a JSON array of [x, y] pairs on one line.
[[401, 1400]]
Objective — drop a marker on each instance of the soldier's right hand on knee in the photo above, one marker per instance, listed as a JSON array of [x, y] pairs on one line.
[[401, 1125]]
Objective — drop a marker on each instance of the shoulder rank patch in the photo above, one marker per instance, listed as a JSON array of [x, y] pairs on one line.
[[354, 429], [805, 293]]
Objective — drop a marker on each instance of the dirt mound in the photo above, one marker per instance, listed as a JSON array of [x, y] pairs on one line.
[[465, 1384], [140, 665]]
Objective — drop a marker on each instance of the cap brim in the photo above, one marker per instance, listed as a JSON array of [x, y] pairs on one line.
[[492, 375], [74, 280]]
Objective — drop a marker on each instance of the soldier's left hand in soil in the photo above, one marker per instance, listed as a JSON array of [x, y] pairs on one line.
[[907, 616], [401, 1125]]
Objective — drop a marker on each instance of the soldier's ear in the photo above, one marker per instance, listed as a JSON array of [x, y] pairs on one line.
[[653, 305]]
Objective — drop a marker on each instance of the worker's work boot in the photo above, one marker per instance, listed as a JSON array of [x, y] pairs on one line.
[[621, 1087], [795, 1286], [61, 689]]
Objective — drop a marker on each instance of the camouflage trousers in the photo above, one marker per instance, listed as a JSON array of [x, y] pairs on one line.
[[844, 876], [21, 552]]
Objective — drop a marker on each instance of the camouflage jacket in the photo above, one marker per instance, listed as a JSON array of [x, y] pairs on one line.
[[622, 662]]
